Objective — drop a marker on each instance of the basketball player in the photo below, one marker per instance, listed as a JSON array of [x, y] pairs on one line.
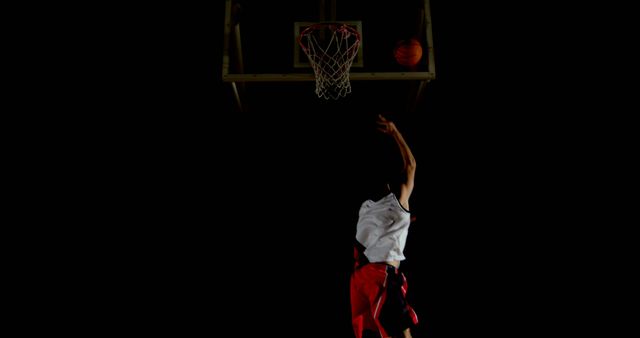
[[378, 288]]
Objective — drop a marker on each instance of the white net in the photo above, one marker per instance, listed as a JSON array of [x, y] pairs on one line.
[[331, 49]]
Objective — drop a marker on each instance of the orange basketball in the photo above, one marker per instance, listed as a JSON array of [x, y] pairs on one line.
[[408, 52]]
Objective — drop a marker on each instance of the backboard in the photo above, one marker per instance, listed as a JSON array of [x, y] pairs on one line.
[[260, 41]]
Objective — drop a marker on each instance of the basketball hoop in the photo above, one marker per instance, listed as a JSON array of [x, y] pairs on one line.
[[331, 48]]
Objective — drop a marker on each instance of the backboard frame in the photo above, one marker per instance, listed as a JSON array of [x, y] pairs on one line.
[[232, 32]]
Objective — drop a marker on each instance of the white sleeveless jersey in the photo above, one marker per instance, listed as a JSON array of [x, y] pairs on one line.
[[382, 229]]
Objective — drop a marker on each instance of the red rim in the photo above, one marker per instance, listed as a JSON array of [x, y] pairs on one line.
[[334, 26]]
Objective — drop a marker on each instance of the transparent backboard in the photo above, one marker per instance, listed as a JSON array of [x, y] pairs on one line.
[[260, 43]]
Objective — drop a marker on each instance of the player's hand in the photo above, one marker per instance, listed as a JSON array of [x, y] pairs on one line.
[[385, 125]]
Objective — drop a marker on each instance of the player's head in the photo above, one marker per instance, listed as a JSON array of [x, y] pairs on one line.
[[382, 163]]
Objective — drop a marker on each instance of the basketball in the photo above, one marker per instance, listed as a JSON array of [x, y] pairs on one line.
[[408, 52]]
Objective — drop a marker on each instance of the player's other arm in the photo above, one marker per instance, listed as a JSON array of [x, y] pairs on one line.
[[409, 162]]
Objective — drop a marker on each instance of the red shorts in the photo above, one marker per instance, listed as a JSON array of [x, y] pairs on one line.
[[378, 301]]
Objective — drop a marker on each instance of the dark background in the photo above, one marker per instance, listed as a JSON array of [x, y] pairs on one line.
[[217, 221]]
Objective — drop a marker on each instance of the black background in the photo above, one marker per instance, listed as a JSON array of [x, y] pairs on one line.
[[208, 220]]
